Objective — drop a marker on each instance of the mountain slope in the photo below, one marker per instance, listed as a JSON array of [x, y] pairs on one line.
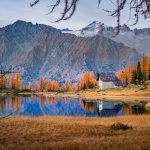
[[137, 38], [43, 50]]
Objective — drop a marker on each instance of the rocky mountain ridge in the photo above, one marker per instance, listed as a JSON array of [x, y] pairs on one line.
[[136, 38], [43, 50]]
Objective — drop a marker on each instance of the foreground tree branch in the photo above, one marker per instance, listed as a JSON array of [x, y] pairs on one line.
[[4, 117], [5, 69], [137, 8]]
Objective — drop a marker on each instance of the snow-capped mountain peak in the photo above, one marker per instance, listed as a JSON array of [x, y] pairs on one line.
[[136, 38], [97, 28], [92, 29]]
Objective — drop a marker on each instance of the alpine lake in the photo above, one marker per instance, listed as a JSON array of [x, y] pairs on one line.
[[39, 105]]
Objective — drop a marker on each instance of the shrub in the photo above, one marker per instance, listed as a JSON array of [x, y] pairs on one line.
[[120, 126], [143, 88], [22, 90]]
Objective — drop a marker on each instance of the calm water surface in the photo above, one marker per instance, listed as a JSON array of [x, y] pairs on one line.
[[48, 106]]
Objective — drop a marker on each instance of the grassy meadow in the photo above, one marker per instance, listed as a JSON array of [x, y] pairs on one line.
[[130, 93], [78, 133], [74, 133]]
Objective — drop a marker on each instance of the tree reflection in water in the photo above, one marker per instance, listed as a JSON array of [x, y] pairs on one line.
[[3, 104], [134, 109], [87, 106], [41, 100], [51, 100], [41, 105], [15, 102]]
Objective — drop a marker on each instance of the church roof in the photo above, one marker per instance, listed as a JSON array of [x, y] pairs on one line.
[[109, 77]]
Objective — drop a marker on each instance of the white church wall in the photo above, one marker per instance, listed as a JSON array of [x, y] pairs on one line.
[[106, 85]]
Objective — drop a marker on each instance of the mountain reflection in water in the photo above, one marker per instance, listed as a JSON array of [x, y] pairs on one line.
[[53, 106]]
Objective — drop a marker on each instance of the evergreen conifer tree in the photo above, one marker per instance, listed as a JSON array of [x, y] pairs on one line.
[[134, 77], [139, 73]]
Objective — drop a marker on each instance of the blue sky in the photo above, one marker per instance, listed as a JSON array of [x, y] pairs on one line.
[[87, 11]]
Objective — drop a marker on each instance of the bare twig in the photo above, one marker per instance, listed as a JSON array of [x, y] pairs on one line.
[[138, 7], [4, 117]]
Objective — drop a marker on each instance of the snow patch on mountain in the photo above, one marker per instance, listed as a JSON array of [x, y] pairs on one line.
[[136, 38]]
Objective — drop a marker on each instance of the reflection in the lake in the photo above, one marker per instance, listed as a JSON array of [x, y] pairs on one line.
[[109, 108], [134, 109], [54, 106], [87, 106], [51, 100]]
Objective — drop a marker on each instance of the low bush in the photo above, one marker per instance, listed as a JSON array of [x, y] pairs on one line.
[[143, 88], [22, 90], [120, 126]]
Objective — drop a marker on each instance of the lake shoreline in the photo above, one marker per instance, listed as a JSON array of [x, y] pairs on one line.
[[131, 94], [74, 133]]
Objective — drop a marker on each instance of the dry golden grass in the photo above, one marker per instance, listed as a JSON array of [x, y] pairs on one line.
[[134, 93], [124, 94], [147, 106], [74, 133], [52, 94], [68, 94]]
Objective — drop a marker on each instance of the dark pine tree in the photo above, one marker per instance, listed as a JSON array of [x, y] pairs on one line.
[[134, 77], [84, 86], [139, 73]]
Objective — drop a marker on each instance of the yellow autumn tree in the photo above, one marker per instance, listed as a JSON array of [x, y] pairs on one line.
[[87, 81], [121, 76], [66, 86], [144, 66], [147, 68], [49, 85], [125, 75], [128, 74], [53, 86], [137, 74], [17, 81], [56, 86], [13, 82], [41, 85], [3, 81]]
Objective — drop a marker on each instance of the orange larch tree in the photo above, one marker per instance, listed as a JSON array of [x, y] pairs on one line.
[[41, 85], [13, 82], [87, 81], [147, 68], [53, 86], [56, 86], [143, 62], [138, 74], [66, 86], [3, 81], [17, 81], [49, 85]]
